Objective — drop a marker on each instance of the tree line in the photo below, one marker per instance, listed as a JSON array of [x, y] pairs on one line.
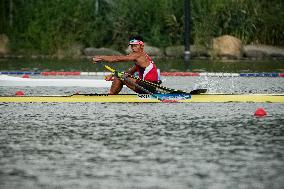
[[43, 26]]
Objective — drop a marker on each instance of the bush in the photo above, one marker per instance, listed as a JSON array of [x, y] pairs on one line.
[[44, 26]]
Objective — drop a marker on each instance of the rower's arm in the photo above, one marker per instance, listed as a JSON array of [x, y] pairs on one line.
[[132, 70]]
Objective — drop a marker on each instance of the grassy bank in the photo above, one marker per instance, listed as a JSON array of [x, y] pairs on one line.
[[44, 27]]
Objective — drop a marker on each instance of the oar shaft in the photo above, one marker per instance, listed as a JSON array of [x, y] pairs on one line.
[[136, 85], [158, 86]]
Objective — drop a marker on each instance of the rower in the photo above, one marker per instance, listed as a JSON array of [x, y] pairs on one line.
[[144, 65]]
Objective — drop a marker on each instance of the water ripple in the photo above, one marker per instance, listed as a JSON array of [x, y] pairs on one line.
[[101, 145]]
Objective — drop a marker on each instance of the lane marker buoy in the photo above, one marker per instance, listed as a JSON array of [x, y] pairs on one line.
[[19, 93], [25, 76], [260, 112]]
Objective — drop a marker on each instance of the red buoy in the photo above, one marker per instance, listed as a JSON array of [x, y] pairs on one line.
[[19, 93], [260, 112], [25, 76]]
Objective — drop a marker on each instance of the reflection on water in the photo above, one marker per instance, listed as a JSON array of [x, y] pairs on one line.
[[196, 65], [105, 145]]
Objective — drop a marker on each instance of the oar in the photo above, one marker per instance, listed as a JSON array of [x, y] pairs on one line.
[[198, 91], [123, 77], [169, 90], [148, 82]]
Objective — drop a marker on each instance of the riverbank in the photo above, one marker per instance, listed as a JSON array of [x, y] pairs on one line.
[[223, 48], [250, 52]]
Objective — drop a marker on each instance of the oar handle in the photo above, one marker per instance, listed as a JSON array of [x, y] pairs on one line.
[[110, 69]]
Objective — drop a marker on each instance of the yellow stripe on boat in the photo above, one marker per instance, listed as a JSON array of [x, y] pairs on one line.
[[141, 98]]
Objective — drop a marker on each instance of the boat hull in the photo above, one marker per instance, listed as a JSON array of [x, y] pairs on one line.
[[146, 98]]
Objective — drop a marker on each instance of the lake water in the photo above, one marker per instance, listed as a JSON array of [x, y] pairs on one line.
[[144, 146], [207, 65]]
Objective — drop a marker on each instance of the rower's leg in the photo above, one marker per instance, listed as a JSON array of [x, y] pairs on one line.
[[130, 83], [116, 86]]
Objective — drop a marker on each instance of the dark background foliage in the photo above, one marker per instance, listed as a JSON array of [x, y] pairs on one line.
[[44, 26]]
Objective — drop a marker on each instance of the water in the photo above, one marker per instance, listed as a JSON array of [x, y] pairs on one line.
[[109, 145], [232, 66], [86, 145], [213, 84]]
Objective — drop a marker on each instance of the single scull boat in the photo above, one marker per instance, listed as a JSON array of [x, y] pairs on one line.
[[147, 98]]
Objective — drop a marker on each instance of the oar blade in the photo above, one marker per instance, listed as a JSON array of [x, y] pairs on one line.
[[198, 91]]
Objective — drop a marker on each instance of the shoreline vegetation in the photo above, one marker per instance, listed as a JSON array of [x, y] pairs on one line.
[[224, 48], [220, 29]]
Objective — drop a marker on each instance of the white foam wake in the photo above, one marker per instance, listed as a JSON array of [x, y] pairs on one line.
[[6, 80]]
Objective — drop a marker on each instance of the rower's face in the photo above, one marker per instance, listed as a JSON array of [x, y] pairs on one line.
[[136, 48]]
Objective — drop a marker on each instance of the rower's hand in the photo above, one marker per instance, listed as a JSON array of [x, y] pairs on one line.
[[97, 59], [125, 74]]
